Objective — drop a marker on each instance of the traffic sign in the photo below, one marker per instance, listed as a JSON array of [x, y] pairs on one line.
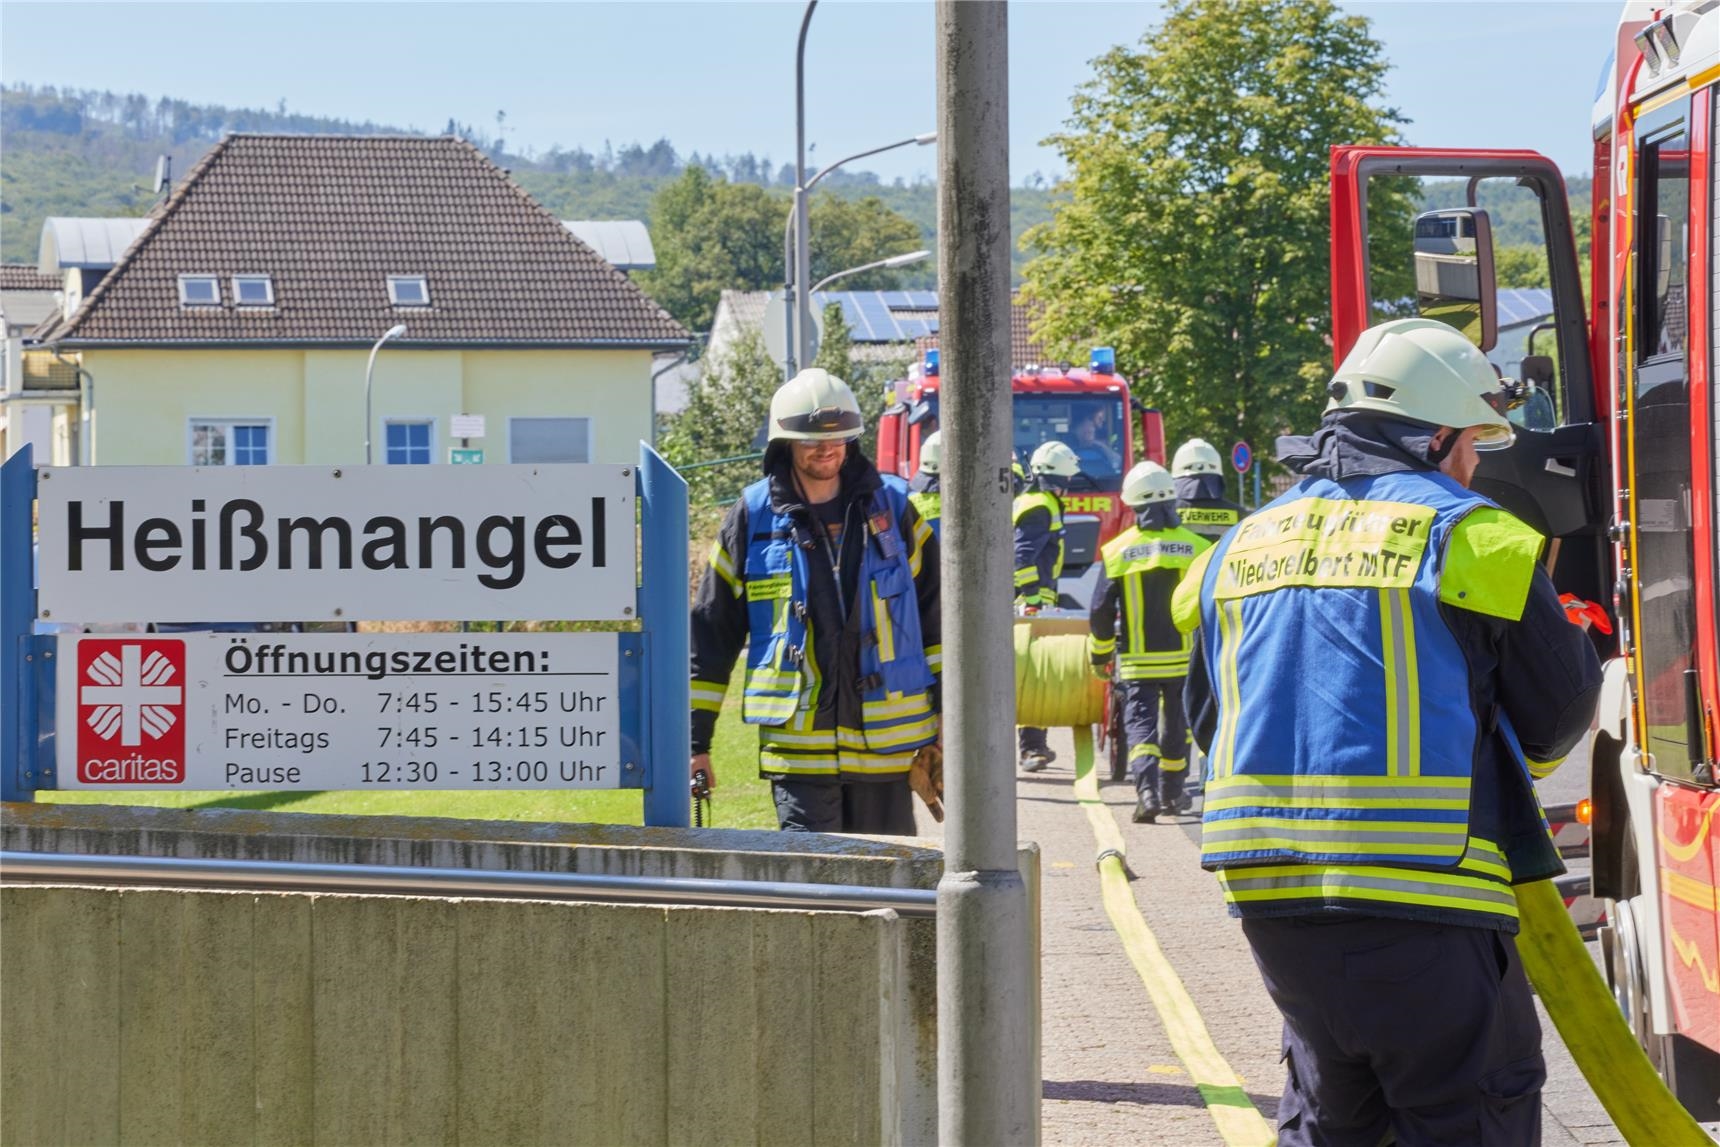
[[1242, 457], [374, 711], [310, 543], [459, 457]]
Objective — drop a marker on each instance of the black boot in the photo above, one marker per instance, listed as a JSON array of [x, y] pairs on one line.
[[1171, 794], [1146, 806]]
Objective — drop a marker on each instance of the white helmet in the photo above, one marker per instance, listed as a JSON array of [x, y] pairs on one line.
[[1196, 456], [814, 406], [1056, 459], [1422, 370], [1147, 483], [931, 452]]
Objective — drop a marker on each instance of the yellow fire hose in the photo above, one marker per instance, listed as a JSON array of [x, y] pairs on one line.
[[1054, 687], [1593, 1028]]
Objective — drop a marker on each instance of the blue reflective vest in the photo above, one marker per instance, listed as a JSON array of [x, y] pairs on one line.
[[781, 672], [930, 506], [1346, 738]]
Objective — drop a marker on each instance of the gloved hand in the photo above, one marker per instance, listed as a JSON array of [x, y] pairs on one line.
[[1103, 668], [926, 778], [1585, 613]]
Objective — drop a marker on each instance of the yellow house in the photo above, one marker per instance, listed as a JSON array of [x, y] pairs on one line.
[[237, 328]]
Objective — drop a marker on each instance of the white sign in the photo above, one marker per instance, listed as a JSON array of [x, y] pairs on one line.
[[466, 426], [314, 543], [214, 711]]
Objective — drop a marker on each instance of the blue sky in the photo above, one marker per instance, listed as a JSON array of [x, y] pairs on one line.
[[717, 76]]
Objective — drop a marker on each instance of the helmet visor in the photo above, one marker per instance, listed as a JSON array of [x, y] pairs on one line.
[[1500, 435], [826, 421]]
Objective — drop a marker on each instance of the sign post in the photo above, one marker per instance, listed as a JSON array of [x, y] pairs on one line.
[[270, 710], [1242, 461]]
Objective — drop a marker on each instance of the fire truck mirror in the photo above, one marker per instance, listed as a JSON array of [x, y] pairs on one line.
[[1454, 280]]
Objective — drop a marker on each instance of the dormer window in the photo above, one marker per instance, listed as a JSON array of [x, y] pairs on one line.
[[253, 291], [199, 291], [408, 291]]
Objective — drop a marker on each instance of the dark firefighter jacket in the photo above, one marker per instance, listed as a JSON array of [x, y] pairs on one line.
[[1038, 513], [827, 735], [1203, 506], [1131, 605]]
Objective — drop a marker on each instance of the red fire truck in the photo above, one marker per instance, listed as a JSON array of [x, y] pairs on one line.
[[1617, 461], [1087, 408]]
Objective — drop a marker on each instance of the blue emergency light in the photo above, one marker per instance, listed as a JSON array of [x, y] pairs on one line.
[[932, 364], [1103, 360]]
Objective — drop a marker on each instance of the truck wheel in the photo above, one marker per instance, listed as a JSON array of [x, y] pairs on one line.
[[1621, 945]]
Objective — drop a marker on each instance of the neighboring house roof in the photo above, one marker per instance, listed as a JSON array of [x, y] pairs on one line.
[[329, 219], [26, 297], [1518, 305], [878, 321], [624, 242], [1024, 349], [25, 277], [94, 244]]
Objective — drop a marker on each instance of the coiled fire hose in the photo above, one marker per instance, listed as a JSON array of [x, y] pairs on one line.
[[1053, 684]]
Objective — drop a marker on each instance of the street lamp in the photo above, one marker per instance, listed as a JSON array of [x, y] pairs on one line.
[[392, 332], [882, 264], [797, 318], [797, 257]]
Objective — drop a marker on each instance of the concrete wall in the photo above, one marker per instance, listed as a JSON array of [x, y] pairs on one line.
[[314, 400], [911, 1062], [146, 1016]]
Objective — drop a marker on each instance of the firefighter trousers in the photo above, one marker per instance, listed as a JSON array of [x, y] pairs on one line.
[[1403, 1031], [884, 807], [1156, 732]]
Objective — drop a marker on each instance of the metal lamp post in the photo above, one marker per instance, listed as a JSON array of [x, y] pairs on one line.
[[392, 332], [796, 239]]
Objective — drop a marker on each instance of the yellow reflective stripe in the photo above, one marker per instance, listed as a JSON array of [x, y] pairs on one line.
[[1290, 781], [885, 629], [1540, 770], [1134, 611], [708, 696], [1143, 750], [896, 705], [1173, 765], [1026, 575], [876, 764], [1334, 801], [1101, 646], [898, 736], [1230, 688], [1403, 687], [799, 766], [1484, 856], [1366, 882], [724, 567], [934, 658], [769, 588]]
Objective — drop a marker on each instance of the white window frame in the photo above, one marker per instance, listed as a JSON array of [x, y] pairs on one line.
[[394, 282], [408, 420], [590, 430], [254, 277], [213, 280], [191, 424]]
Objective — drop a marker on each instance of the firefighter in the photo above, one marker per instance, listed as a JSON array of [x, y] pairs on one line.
[[923, 490], [1134, 642], [826, 577], [1038, 512], [1382, 669], [1199, 474]]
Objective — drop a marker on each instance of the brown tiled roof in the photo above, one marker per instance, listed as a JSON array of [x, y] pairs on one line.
[[25, 277], [1024, 350], [329, 218]]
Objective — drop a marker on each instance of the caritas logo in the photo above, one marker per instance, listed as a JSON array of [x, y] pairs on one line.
[[131, 711]]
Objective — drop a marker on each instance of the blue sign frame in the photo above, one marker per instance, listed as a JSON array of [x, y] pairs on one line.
[[652, 674]]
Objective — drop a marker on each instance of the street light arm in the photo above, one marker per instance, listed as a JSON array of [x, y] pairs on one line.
[[392, 332], [892, 261], [922, 139]]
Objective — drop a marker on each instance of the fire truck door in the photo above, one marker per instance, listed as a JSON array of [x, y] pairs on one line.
[[1393, 259]]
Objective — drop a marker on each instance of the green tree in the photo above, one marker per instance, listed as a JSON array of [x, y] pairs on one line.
[[727, 406], [1192, 232], [712, 236], [1522, 266], [836, 346]]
